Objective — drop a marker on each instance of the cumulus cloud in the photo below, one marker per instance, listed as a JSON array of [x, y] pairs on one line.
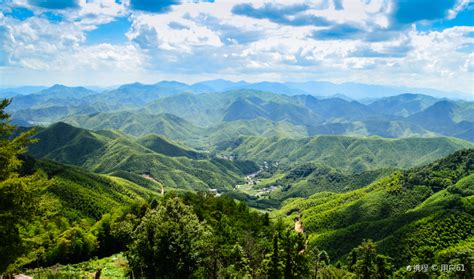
[[147, 37], [367, 41]]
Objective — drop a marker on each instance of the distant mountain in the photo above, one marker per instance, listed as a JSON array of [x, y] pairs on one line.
[[403, 105], [338, 109], [137, 123], [140, 124], [59, 91], [213, 108], [138, 94], [446, 117], [344, 153], [194, 110], [386, 129], [22, 90], [360, 90], [200, 113], [255, 127], [220, 85], [110, 152], [246, 108], [57, 95]]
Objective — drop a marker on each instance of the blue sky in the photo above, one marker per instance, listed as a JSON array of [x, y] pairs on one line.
[[417, 43]]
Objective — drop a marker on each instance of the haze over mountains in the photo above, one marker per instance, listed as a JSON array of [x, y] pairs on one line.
[[208, 112], [350, 90]]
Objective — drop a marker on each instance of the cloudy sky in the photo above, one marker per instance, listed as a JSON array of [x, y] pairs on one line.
[[421, 43]]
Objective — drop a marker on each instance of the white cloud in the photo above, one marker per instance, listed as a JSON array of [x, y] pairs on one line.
[[216, 43]]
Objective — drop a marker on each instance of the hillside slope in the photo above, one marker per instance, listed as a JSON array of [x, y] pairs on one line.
[[173, 165], [344, 153], [429, 205]]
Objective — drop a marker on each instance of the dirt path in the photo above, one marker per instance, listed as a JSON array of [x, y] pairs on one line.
[[151, 178]]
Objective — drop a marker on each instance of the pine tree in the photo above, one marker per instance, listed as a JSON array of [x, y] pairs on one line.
[[366, 254], [17, 193], [274, 270]]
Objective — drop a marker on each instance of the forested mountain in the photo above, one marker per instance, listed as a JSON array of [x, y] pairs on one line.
[[153, 157], [198, 110], [344, 153], [403, 105], [139, 124]]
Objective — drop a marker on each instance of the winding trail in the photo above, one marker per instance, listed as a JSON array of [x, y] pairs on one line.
[[151, 178]]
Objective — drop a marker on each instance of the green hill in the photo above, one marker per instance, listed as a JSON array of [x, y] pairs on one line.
[[430, 206], [68, 219], [141, 124], [387, 129], [167, 147], [310, 178], [87, 195], [344, 153], [172, 165]]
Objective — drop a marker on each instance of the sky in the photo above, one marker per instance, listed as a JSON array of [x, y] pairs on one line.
[[417, 43]]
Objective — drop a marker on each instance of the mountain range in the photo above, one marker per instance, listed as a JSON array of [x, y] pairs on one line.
[[198, 113]]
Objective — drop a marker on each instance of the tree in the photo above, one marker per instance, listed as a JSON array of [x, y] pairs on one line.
[[170, 242], [17, 193], [384, 266], [352, 260], [275, 264], [365, 266], [366, 263], [319, 259]]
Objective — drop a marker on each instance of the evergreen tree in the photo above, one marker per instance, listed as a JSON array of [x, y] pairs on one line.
[[17, 193], [384, 266], [365, 266], [274, 270]]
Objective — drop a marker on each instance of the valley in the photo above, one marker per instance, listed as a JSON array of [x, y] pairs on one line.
[[240, 168]]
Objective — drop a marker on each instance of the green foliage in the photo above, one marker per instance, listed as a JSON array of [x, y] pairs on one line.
[[310, 178], [344, 153], [403, 216], [18, 194], [170, 241], [115, 266], [366, 263], [159, 160]]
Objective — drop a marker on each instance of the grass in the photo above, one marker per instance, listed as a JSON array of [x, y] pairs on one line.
[[115, 266]]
